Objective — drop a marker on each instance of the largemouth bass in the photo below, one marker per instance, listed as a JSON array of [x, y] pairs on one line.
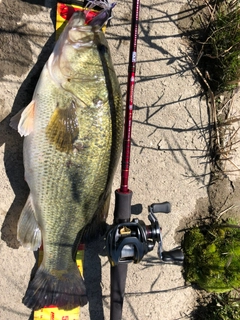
[[73, 136]]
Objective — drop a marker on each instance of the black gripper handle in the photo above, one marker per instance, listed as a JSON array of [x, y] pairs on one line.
[[122, 210], [164, 207]]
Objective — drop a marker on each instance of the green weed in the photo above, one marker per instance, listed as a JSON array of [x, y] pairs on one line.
[[220, 307]]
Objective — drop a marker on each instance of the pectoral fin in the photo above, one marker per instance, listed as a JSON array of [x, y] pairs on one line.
[[14, 121], [28, 231], [23, 120], [63, 128]]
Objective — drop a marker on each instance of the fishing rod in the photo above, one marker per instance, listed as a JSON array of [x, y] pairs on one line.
[[123, 196], [129, 241]]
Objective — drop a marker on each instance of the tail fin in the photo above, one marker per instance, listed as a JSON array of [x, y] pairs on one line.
[[62, 288]]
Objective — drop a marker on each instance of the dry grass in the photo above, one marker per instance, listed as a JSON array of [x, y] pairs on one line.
[[218, 65]]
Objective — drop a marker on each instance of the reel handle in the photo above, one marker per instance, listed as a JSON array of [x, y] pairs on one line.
[[175, 255], [164, 207]]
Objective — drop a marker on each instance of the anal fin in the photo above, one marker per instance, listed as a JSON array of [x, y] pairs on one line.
[[28, 231], [98, 225]]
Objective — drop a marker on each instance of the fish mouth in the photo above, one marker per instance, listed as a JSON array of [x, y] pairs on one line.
[[100, 19], [77, 32], [80, 37], [75, 36]]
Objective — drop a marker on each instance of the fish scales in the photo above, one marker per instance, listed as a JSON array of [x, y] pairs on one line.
[[73, 138]]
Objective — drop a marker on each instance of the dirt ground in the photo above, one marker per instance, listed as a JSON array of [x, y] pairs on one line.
[[169, 160]]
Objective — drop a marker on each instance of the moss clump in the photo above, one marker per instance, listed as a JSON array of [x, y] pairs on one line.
[[212, 257]]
